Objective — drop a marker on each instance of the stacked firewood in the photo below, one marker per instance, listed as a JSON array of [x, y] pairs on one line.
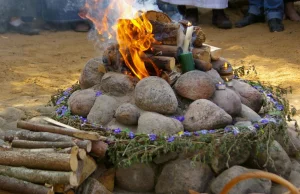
[[46, 159], [164, 53]]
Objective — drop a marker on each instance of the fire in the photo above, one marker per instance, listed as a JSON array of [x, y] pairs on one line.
[[225, 65], [132, 30]]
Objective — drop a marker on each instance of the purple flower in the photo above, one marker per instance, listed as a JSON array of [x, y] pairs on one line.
[[256, 125], [279, 107], [61, 111], [196, 133], [152, 137], [117, 131], [270, 94], [236, 131], [203, 132], [171, 139], [98, 93], [131, 135], [67, 92], [179, 118], [264, 121], [186, 133], [211, 131], [59, 101], [227, 129]]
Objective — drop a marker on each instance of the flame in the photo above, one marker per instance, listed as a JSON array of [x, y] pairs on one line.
[[132, 30], [227, 80], [225, 65]]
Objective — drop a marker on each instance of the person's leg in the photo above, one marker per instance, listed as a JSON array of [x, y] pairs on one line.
[[274, 10], [290, 11], [255, 14], [219, 18], [5, 14]]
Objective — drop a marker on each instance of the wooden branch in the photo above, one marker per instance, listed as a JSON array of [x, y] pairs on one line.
[[41, 144], [44, 161], [164, 63], [165, 50], [18, 186], [202, 53], [85, 168], [39, 176], [202, 65], [54, 122], [99, 149], [59, 130], [85, 144], [166, 33], [215, 52], [33, 136]]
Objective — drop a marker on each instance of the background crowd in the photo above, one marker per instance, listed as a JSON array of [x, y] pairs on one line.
[[18, 15]]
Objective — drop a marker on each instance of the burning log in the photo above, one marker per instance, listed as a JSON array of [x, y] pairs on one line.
[[39, 176], [158, 16], [44, 161], [202, 53], [164, 63], [112, 58], [41, 144], [18, 186], [165, 50], [59, 130], [202, 65]]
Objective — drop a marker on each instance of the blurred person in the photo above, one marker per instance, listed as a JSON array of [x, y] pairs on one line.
[[219, 17], [258, 10], [290, 11]]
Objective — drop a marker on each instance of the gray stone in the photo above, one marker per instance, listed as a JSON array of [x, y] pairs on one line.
[[249, 95], [229, 101], [243, 124], [103, 110], [295, 165], [163, 158], [114, 124], [91, 185], [249, 114], [11, 114], [38, 120], [291, 144], [90, 74], [243, 187], [46, 110], [156, 95], [116, 84], [127, 114], [203, 114], [280, 163], [215, 76], [195, 85], [294, 178], [2, 121], [151, 122], [82, 101], [178, 176], [136, 178], [217, 64]]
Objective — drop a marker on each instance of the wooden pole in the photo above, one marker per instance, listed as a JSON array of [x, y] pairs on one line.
[[41, 144], [165, 50]]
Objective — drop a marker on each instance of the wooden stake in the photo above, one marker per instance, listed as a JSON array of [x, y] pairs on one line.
[[18, 186], [41, 144], [45, 161], [59, 130], [39, 176]]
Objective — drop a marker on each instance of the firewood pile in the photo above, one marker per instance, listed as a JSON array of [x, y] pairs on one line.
[[164, 53], [47, 158]]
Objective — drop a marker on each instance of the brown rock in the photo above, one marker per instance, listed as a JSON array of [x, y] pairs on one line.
[[116, 84], [127, 114], [82, 101], [90, 75]]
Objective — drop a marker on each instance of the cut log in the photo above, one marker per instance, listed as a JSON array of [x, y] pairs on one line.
[[18, 186], [44, 161], [33, 136], [215, 52], [41, 144], [166, 33], [81, 154], [158, 16], [164, 63], [99, 149], [59, 130], [39, 176], [202, 53], [85, 144], [165, 50], [202, 65], [198, 37], [85, 168]]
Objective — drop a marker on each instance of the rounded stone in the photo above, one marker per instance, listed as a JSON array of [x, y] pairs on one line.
[[195, 85], [127, 114], [90, 75], [116, 84]]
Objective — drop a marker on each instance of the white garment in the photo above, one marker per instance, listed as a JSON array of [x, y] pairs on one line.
[[210, 4]]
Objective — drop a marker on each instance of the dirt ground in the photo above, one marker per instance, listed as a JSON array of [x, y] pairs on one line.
[[34, 67]]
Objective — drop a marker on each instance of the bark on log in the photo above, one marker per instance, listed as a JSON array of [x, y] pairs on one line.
[[4, 145], [74, 150], [41, 144], [99, 149], [164, 63], [215, 52], [202, 65], [85, 168], [158, 16], [59, 130], [18, 186], [112, 58], [166, 33], [85, 144], [202, 53], [33, 136], [165, 50], [39, 176], [44, 161]]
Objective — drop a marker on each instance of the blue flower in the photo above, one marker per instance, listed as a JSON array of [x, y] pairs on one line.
[[270, 94], [264, 121], [171, 139], [256, 125], [179, 118], [67, 92], [61, 111], [186, 133], [236, 131], [98, 93], [59, 101], [212, 131], [203, 132], [196, 133], [117, 131], [227, 129], [131, 135], [152, 137], [279, 107]]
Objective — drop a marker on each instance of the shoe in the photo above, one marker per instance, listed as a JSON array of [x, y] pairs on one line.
[[220, 19], [250, 19], [191, 15], [25, 29], [3, 27], [275, 25]]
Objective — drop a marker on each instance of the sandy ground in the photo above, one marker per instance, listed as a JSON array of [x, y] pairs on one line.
[[34, 67]]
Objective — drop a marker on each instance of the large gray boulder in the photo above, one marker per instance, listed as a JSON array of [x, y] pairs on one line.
[[179, 176], [156, 95], [243, 187], [127, 114], [90, 74], [203, 114], [12, 114], [136, 178], [82, 101], [294, 178], [215, 76], [195, 85], [249, 95], [292, 145], [249, 114], [103, 110], [229, 101], [150, 122], [116, 84]]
